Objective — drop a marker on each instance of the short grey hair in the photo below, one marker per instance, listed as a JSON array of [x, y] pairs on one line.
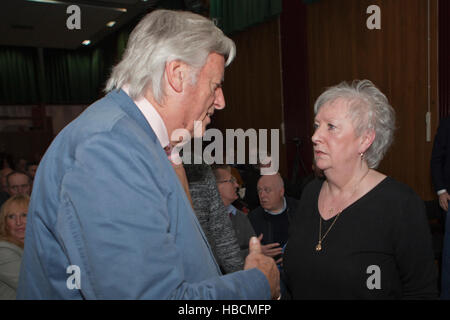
[[163, 36], [369, 109]]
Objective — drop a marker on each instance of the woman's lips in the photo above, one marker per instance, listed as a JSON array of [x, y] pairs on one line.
[[318, 152]]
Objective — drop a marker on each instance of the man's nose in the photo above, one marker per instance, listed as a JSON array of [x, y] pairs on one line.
[[219, 102]]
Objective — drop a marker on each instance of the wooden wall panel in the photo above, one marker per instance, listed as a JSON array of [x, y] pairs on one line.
[[297, 111], [341, 47], [444, 59], [252, 87]]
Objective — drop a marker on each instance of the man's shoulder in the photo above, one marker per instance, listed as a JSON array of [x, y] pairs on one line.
[[112, 118], [101, 116], [257, 212], [241, 215], [444, 125]]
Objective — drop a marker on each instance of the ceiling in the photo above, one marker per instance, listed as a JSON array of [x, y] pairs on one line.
[[42, 23]]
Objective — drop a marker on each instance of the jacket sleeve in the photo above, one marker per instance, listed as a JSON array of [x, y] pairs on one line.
[[114, 223], [438, 156]]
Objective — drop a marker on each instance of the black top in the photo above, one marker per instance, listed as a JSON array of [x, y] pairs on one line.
[[379, 248], [273, 227], [440, 157]]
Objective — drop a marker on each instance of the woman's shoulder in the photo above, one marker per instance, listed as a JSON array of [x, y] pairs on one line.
[[395, 198], [394, 188], [313, 187], [8, 247]]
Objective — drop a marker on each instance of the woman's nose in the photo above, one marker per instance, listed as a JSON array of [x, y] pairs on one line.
[[19, 221], [316, 136]]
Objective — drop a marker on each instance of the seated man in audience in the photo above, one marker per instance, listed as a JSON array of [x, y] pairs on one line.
[[4, 194], [271, 219], [21, 165], [18, 183], [227, 185], [31, 169]]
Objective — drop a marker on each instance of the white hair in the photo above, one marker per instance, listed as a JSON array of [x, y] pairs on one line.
[[163, 36], [369, 109]]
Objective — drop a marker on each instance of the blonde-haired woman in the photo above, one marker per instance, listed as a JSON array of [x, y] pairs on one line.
[[13, 220]]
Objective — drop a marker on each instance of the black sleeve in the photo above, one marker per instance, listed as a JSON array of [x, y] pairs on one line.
[[438, 156], [414, 252]]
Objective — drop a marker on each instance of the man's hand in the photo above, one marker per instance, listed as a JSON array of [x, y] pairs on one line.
[[443, 201], [256, 259], [271, 249]]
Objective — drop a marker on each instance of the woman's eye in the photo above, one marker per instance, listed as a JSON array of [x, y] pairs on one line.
[[315, 126], [331, 127]]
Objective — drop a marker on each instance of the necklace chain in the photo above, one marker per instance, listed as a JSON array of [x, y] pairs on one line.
[[319, 243]]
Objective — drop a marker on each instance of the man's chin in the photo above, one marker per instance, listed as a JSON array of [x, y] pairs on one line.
[[199, 129]]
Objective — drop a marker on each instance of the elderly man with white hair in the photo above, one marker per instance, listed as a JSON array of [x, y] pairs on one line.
[[109, 218]]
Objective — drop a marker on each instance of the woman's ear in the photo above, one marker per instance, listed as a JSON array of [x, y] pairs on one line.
[[367, 139]]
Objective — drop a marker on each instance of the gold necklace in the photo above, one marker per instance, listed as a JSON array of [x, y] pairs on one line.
[[319, 243]]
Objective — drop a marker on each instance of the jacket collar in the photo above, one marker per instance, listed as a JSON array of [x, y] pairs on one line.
[[131, 109]]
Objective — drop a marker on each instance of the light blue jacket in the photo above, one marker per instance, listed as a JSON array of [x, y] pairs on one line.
[[106, 199]]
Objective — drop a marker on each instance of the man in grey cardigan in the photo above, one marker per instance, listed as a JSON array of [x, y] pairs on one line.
[[213, 217]]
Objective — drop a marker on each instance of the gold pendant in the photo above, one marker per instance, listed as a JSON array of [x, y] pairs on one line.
[[318, 247]]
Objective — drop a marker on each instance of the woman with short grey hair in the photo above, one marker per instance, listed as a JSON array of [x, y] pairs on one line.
[[369, 109], [357, 234]]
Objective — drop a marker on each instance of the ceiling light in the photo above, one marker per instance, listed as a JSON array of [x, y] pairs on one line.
[[46, 1], [110, 24], [86, 42], [82, 4]]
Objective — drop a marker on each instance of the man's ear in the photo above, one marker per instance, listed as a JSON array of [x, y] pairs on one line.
[[176, 73]]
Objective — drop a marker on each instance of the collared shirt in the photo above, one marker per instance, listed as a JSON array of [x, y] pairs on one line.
[[232, 209], [152, 116], [158, 126], [280, 211]]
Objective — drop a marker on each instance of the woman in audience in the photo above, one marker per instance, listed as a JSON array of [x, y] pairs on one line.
[[13, 220], [357, 234]]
